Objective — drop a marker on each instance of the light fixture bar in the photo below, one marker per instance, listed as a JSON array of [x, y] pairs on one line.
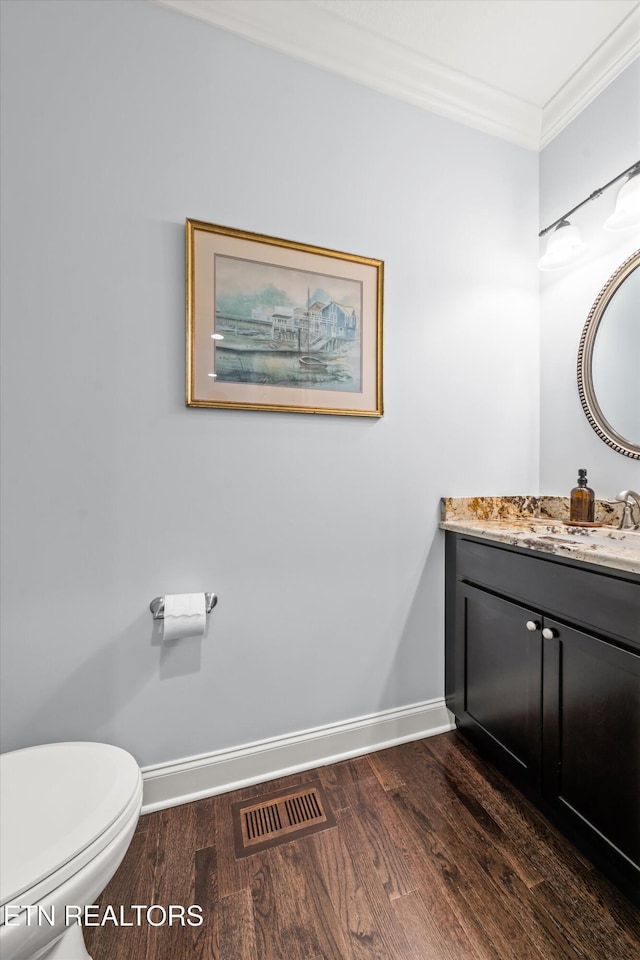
[[630, 172]]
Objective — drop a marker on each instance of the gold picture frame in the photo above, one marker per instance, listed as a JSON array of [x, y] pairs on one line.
[[281, 326]]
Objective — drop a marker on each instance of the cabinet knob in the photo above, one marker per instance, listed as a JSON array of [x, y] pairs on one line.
[[549, 634], [532, 625]]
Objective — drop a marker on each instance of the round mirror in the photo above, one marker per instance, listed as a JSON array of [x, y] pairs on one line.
[[609, 361]]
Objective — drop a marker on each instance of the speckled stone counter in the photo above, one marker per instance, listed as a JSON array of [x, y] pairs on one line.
[[537, 523]]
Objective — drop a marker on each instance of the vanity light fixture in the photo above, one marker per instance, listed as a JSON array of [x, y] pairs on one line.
[[565, 243], [563, 247], [627, 211]]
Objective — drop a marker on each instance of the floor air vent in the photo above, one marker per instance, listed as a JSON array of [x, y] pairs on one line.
[[279, 818]]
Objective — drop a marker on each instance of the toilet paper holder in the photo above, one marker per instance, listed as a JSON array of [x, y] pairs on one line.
[[157, 605]]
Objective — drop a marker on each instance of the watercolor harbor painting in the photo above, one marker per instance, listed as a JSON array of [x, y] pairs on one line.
[[286, 327], [277, 325]]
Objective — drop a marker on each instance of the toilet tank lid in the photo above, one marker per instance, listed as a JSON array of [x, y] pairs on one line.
[[56, 800]]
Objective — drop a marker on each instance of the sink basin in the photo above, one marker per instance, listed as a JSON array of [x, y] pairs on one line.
[[612, 538], [615, 538]]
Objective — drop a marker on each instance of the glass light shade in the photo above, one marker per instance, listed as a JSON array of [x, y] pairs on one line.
[[627, 212], [564, 246]]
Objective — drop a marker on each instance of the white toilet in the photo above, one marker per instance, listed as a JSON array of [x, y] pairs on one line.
[[68, 813]]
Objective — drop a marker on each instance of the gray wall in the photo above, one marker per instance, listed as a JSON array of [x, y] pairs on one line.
[[600, 143], [318, 533]]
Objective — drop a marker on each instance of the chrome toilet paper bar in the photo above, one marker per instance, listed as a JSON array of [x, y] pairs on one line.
[[157, 605]]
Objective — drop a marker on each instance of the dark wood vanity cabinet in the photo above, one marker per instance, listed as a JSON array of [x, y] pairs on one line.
[[502, 680], [543, 675]]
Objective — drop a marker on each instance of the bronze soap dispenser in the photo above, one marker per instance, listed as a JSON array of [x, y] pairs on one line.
[[582, 501]]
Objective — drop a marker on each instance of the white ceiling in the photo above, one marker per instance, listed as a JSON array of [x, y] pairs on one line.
[[518, 69]]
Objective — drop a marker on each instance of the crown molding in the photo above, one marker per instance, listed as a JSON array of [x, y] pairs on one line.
[[307, 32], [310, 33], [619, 50]]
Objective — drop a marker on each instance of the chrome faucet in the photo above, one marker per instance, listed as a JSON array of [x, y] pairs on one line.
[[628, 498]]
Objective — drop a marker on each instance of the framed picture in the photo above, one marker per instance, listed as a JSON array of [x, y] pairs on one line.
[[278, 325]]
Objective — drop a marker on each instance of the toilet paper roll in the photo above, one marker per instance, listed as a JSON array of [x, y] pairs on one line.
[[185, 615]]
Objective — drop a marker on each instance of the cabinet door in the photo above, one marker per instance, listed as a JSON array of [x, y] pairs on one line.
[[500, 671], [591, 741]]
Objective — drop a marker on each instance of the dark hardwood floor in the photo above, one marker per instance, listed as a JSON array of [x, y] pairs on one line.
[[435, 856]]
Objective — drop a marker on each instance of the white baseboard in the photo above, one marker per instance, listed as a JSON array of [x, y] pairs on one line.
[[181, 781]]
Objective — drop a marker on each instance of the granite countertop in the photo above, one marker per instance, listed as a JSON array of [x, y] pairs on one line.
[[537, 523]]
